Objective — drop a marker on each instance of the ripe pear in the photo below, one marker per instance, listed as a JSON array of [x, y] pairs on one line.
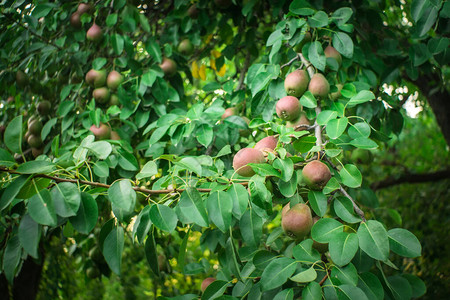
[[297, 221], [102, 132], [168, 66], [96, 78], [319, 86], [94, 33], [296, 83], [115, 136], [75, 20], [101, 95], [302, 120], [288, 108], [185, 47], [206, 282], [114, 80], [84, 8], [231, 111], [193, 11], [330, 52], [269, 142], [244, 157], [43, 108], [316, 175]]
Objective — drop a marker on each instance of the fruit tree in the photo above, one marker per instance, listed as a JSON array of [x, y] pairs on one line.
[[227, 124]]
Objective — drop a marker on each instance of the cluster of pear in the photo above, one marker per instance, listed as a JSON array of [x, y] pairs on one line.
[[94, 33], [101, 93]]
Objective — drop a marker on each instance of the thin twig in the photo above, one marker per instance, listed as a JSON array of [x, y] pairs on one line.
[[355, 206], [240, 85], [297, 57], [323, 279]]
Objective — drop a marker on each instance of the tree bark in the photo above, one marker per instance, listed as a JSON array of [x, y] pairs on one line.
[[26, 284], [411, 178], [439, 100]]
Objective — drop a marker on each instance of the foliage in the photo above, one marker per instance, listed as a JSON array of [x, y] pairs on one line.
[[166, 183]]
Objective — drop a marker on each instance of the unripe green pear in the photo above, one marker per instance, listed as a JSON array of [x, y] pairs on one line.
[[96, 254], [102, 132], [185, 47], [21, 79], [43, 108], [316, 175], [37, 151], [101, 95], [34, 141], [269, 142], [114, 80], [92, 272], [168, 66], [114, 100], [297, 221], [296, 83], [319, 86], [94, 33], [206, 282], [330, 52], [35, 127], [361, 156], [288, 108], [244, 157]]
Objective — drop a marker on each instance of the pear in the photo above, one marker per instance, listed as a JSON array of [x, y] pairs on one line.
[[297, 221]]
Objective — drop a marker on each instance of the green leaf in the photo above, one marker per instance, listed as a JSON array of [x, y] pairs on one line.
[[336, 127], [142, 225], [404, 243], [343, 247], [204, 134], [301, 7], [87, 214], [363, 143], [362, 97], [151, 254], [320, 19], [318, 202], [48, 127], [191, 164], [316, 56], [117, 43], [239, 195], [351, 292], [111, 20], [41, 209], [113, 249], [346, 275], [305, 144], [325, 116], [265, 170], [215, 290], [220, 206], [305, 276], [343, 44], [331, 186], [277, 272], [101, 149], [29, 235], [11, 258], [344, 210], [371, 286], [13, 135], [304, 252], [400, 287], [287, 294], [286, 166], [351, 176], [123, 199], [182, 252], [308, 100], [373, 239], [250, 226], [259, 82], [154, 50], [342, 15], [163, 217], [192, 207], [36, 166], [312, 291], [358, 130], [66, 198], [288, 188], [6, 159], [148, 170], [11, 191], [324, 230], [427, 21], [418, 286]]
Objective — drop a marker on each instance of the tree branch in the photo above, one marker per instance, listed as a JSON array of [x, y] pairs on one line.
[[411, 178], [355, 206], [244, 69], [297, 57]]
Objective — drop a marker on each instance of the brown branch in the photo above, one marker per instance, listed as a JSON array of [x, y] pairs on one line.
[[240, 85], [411, 178], [355, 206], [297, 57], [323, 279]]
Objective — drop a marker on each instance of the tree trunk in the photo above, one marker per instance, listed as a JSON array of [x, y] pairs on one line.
[[439, 100], [27, 283]]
